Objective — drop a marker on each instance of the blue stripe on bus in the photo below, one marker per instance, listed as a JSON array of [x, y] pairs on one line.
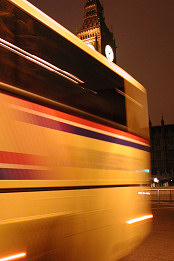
[[52, 124], [25, 174]]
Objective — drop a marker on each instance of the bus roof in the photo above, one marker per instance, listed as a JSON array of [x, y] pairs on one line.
[[52, 24]]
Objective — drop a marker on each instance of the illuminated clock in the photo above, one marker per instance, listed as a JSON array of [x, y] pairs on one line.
[[109, 53], [91, 46]]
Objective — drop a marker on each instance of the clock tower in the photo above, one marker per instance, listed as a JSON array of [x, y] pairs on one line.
[[95, 32]]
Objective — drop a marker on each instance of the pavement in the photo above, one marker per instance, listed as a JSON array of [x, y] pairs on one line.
[[159, 245]]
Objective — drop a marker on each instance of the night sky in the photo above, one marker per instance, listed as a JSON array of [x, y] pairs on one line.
[[144, 32]]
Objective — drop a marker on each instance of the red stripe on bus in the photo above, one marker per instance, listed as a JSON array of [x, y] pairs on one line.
[[75, 119], [21, 158]]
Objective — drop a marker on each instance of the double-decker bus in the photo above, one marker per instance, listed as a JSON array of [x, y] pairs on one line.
[[74, 145]]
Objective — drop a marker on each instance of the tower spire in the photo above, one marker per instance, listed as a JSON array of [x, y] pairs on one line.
[[93, 2], [95, 32]]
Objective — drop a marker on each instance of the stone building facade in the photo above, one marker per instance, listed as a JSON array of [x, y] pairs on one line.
[[162, 150]]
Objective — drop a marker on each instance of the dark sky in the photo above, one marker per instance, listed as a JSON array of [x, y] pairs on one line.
[[144, 32]]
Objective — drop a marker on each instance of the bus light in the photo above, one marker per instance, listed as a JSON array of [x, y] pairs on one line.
[[13, 257], [135, 220]]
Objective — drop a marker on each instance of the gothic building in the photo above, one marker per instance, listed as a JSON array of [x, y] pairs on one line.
[[95, 32], [162, 150]]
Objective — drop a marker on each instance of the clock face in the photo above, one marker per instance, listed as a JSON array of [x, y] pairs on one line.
[[91, 46], [109, 53]]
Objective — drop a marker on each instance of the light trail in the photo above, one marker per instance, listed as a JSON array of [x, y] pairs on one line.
[[135, 220], [13, 257], [41, 62]]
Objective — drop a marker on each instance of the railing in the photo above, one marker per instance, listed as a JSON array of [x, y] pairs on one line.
[[160, 195]]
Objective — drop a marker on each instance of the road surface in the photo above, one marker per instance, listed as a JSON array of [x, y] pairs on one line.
[[159, 245]]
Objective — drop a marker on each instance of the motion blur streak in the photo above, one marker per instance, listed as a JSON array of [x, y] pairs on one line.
[[135, 220], [39, 61], [14, 257], [73, 154]]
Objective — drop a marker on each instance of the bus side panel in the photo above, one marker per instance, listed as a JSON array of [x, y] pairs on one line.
[[73, 221]]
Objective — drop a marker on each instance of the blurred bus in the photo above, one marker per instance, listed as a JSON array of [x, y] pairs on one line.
[[74, 145]]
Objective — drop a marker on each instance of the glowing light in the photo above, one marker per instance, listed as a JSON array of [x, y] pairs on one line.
[[144, 193], [91, 46], [156, 180], [14, 257], [144, 170], [147, 170], [135, 220], [109, 53]]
